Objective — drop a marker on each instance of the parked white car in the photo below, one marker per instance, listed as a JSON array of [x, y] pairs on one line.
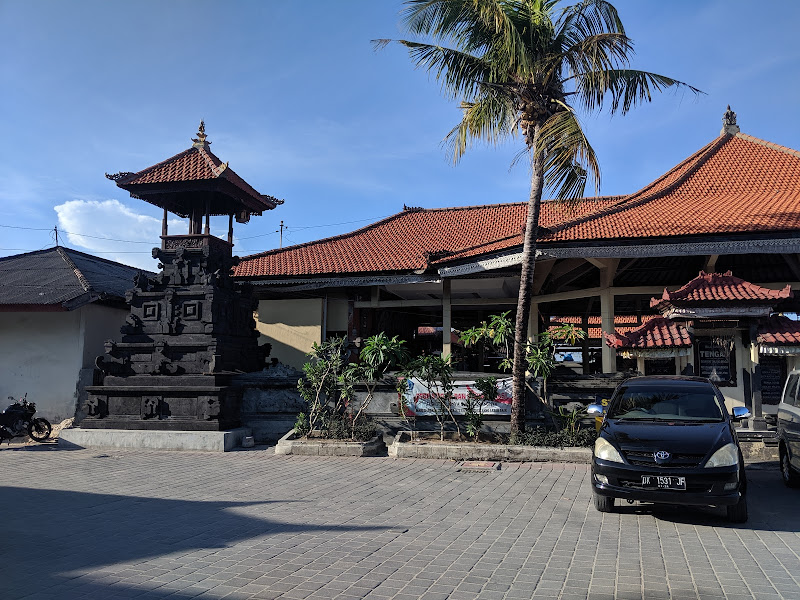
[[789, 430]]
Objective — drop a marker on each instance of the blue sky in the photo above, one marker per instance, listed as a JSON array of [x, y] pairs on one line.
[[298, 103]]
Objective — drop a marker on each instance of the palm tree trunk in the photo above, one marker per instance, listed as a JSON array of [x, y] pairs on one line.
[[525, 289]]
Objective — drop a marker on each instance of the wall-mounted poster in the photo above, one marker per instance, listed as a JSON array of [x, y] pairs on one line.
[[422, 403], [716, 359], [773, 376]]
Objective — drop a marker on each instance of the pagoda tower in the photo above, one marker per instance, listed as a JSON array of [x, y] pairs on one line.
[[190, 328]]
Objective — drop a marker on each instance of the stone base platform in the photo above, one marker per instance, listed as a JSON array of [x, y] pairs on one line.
[[291, 444], [405, 447], [204, 441]]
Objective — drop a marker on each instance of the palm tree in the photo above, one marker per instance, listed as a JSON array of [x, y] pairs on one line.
[[522, 66]]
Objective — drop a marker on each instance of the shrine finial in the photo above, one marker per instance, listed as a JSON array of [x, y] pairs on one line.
[[729, 125], [200, 141]]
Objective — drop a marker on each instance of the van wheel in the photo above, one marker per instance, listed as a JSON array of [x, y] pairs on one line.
[[788, 474], [603, 503], [738, 512]]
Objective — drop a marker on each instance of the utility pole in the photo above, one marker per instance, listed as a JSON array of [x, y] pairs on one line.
[[55, 229], [281, 246]]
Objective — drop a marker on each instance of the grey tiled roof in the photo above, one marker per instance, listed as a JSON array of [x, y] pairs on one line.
[[61, 276]]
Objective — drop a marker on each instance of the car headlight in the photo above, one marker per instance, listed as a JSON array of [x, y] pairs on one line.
[[727, 456], [605, 451]]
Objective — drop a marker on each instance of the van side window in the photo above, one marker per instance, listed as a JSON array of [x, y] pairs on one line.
[[790, 395]]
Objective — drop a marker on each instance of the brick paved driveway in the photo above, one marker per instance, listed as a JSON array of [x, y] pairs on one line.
[[136, 524]]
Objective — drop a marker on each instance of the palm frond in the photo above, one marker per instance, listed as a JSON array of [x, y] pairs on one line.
[[588, 18], [489, 118], [489, 27], [627, 87], [569, 159], [601, 52], [459, 73]]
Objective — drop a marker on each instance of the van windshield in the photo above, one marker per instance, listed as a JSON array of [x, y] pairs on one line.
[[667, 403]]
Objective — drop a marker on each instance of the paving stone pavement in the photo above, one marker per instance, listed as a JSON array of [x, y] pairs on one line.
[[108, 525]]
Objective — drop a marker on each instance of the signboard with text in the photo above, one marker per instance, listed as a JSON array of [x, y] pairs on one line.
[[716, 360], [421, 402]]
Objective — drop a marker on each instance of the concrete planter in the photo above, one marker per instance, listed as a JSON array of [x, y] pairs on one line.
[[403, 447], [291, 444]]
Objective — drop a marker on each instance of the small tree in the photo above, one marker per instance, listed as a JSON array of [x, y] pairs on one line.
[[327, 386], [473, 407], [498, 333], [379, 355], [436, 373], [539, 354]]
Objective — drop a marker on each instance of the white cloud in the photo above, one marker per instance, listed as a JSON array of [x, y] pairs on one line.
[[111, 230]]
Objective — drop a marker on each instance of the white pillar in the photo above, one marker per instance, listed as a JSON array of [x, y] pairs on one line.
[[447, 318], [640, 364], [609, 356], [533, 322]]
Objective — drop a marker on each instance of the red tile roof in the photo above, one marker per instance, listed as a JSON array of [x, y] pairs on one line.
[[596, 320], [410, 240], [658, 332], [622, 323], [716, 287], [197, 163], [735, 184], [779, 331]]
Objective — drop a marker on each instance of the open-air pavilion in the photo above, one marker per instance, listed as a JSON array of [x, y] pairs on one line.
[[734, 205]]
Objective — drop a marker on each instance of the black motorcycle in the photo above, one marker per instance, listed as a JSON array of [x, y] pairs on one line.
[[17, 420]]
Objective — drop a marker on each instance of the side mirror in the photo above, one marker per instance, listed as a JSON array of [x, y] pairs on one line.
[[594, 410], [740, 412]]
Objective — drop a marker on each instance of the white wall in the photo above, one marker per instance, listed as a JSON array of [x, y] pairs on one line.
[[291, 326], [47, 354]]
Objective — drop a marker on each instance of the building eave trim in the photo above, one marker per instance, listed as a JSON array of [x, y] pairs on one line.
[[695, 248]]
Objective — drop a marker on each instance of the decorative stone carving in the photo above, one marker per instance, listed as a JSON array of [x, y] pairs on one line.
[[190, 328], [729, 125], [151, 407], [97, 406]]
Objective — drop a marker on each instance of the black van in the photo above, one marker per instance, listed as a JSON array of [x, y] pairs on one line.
[[669, 439]]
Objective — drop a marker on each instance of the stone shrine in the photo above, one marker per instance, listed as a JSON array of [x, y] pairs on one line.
[[190, 329]]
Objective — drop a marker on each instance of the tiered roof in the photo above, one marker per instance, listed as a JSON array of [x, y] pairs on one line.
[[190, 171], [735, 184], [656, 333], [779, 331], [713, 289]]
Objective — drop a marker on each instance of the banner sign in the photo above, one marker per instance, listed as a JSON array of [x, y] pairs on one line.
[[420, 402]]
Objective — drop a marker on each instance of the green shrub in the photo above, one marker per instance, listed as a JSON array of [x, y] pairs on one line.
[[541, 436]]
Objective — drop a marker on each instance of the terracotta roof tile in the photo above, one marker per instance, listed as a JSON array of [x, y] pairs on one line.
[[410, 240], [596, 320], [779, 331], [197, 163], [658, 332], [735, 184], [716, 287]]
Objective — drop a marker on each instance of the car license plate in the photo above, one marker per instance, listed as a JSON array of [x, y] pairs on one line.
[[664, 482]]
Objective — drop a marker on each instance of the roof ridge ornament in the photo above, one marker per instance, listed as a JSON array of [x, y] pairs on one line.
[[729, 126], [201, 141]]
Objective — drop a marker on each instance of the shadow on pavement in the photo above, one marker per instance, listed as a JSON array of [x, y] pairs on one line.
[[771, 505], [52, 537]]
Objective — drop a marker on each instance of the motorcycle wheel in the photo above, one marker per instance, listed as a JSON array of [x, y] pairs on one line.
[[40, 429]]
